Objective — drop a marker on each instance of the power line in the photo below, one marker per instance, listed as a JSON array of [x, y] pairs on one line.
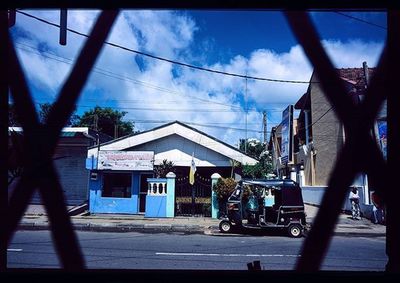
[[139, 121], [117, 76], [169, 109], [169, 60], [316, 121], [361, 20], [208, 126]]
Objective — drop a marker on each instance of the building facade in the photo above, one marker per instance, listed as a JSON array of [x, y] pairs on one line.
[[121, 170], [319, 135], [69, 160]]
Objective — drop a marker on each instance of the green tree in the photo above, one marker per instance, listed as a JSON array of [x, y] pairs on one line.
[[253, 147], [15, 156], [107, 121], [263, 168], [224, 188], [44, 111], [164, 168]]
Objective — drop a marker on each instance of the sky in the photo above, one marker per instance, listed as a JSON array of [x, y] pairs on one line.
[[155, 92]]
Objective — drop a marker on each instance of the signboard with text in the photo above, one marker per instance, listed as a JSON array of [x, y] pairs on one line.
[[381, 130], [287, 135], [125, 160]]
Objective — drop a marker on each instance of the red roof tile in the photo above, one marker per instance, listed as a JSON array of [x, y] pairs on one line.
[[355, 76]]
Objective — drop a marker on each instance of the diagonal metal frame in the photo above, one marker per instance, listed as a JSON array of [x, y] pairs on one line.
[[360, 152], [40, 142]]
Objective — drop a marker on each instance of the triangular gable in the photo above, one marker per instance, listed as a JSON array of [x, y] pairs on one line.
[[180, 129]]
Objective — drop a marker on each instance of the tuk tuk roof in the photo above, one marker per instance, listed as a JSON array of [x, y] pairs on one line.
[[279, 183], [290, 192]]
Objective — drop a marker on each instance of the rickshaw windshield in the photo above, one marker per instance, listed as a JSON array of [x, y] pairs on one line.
[[235, 196]]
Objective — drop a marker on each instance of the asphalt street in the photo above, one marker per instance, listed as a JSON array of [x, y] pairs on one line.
[[180, 251]]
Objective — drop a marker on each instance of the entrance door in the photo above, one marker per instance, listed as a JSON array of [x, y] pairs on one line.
[[143, 191]]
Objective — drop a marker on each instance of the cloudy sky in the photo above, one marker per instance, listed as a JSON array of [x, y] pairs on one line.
[[154, 92]]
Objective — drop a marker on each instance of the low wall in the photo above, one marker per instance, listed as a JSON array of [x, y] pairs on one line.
[[313, 195]]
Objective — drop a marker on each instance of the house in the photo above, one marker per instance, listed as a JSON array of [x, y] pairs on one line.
[[319, 135], [122, 169], [69, 160]]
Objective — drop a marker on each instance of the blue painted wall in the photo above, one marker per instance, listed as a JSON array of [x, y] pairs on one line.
[[99, 204], [156, 206]]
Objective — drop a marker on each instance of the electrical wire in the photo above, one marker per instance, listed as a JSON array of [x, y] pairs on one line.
[[169, 60], [117, 76], [360, 20]]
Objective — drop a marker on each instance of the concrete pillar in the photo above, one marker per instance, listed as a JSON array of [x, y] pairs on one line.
[[170, 194], [301, 180], [214, 200]]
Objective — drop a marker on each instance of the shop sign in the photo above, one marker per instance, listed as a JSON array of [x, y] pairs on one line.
[[287, 135], [125, 160]]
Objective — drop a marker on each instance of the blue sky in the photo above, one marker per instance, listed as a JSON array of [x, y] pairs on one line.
[[259, 43]]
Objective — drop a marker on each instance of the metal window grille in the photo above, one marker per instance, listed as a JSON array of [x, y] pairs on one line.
[[360, 153]]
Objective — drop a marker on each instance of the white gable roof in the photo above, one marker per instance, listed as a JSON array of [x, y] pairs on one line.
[[188, 133]]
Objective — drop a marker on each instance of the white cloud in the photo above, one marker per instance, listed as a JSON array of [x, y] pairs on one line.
[[353, 53], [149, 83]]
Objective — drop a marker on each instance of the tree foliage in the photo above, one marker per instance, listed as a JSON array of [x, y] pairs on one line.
[[105, 120], [263, 168], [15, 156], [253, 147], [224, 188], [44, 111], [164, 168]]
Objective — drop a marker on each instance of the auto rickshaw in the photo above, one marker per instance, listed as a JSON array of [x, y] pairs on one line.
[[265, 204]]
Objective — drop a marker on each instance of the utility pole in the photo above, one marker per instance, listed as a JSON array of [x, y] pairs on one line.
[[265, 126], [63, 27], [96, 121], [245, 100], [12, 14], [115, 130]]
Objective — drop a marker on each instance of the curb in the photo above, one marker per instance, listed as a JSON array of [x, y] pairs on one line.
[[170, 228], [143, 228]]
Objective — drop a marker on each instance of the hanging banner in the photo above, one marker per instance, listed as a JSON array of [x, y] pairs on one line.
[[126, 160], [287, 135], [381, 131]]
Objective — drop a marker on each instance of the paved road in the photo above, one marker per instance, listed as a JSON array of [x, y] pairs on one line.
[[132, 250]]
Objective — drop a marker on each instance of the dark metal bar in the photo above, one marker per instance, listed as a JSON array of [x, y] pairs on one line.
[[63, 26], [352, 159], [20, 91], [331, 84], [66, 242], [12, 15], [316, 244], [393, 144], [29, 121], [40, 143], [70, 91], [3, 136]]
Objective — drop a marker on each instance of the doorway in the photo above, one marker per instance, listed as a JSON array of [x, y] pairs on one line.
[[143, 191]]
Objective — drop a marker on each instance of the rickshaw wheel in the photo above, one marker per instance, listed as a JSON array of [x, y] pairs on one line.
[[225, 226], [295, 230]]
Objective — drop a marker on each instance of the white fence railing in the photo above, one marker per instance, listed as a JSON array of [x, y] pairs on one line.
[[157, 187]]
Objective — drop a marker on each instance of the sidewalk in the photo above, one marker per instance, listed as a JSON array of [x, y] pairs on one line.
[[35, 218]]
